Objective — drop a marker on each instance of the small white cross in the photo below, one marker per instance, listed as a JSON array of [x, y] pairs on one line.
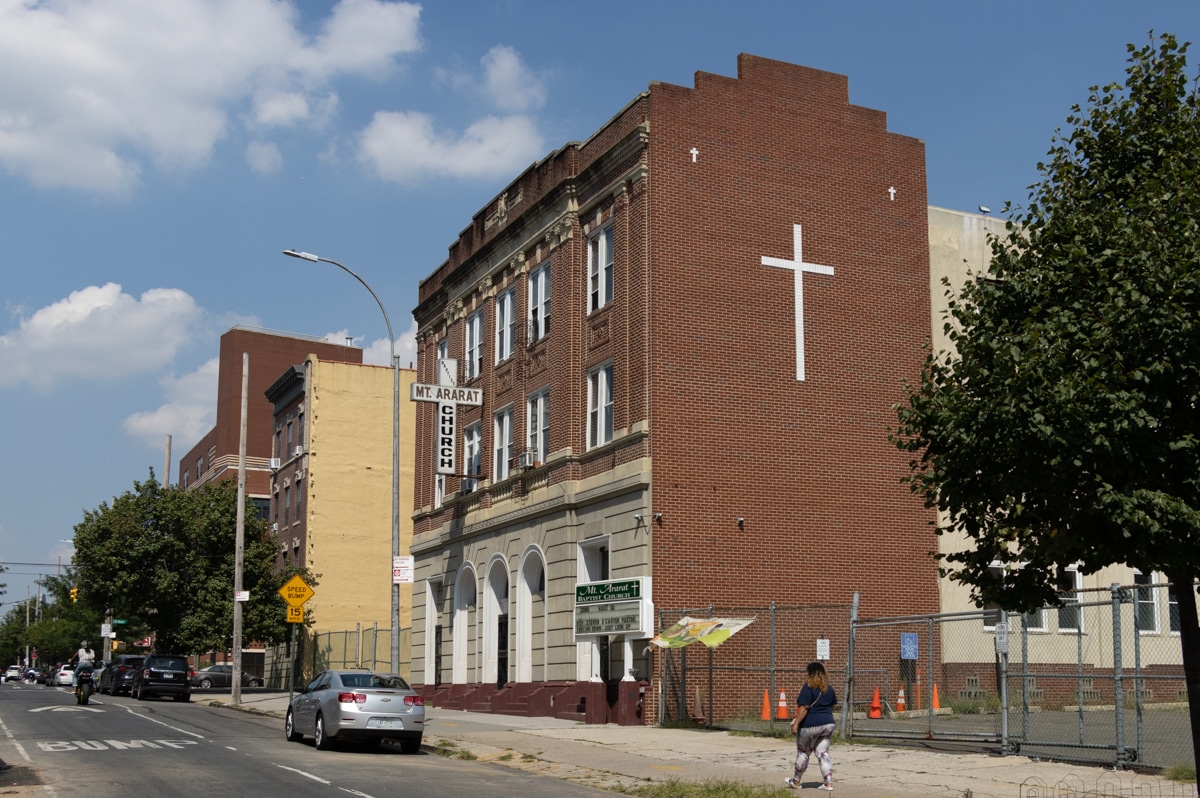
[[799, 267], [892, 193], [695, 154]]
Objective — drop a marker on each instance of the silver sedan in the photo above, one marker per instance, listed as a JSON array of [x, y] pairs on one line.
[[357, 705]]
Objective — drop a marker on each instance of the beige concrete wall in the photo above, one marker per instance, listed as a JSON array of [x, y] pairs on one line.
[[350, 494], [958, 250]]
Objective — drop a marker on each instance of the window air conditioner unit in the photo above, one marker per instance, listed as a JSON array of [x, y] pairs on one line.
[[299, 450], [525, 460], [273, 463], [275, 527]]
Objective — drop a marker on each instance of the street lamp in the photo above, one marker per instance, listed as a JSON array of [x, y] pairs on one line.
[[291, 253]]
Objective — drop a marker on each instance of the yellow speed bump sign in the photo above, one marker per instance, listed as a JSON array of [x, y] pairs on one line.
[[295, 615], [296, 591]]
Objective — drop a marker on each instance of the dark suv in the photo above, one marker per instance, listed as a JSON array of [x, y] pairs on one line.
[[117, 676], [162, 674]]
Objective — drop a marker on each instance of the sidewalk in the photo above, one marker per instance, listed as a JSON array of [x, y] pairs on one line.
[[608, 756]]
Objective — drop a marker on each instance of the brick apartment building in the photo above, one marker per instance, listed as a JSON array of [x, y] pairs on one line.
[[689, 331], [215, 456]]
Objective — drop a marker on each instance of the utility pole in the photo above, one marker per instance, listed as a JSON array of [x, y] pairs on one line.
[[236, 698]]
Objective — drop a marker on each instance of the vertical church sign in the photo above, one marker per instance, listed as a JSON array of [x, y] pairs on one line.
[[448, 396]]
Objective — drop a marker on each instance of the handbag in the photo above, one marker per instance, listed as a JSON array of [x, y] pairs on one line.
[[802, 712]]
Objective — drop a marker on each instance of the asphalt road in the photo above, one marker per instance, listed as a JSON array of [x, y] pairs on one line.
[[122, 747]]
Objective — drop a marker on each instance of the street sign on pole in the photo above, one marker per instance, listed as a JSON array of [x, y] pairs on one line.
[[295, 615], [296, 591]]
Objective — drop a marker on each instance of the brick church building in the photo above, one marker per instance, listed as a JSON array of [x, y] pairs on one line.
[[687, 333]]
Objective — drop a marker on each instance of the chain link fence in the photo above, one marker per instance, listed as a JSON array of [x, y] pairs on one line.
[[309, 653], [752, 673], [1098, 679]]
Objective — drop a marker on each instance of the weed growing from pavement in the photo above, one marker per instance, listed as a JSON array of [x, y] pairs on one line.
[[1184, 772], [450, 750]]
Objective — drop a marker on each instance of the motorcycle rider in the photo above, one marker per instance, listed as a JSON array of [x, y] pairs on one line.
[[82, 656]]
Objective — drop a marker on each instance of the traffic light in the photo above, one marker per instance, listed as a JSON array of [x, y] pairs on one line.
[[74, 595]]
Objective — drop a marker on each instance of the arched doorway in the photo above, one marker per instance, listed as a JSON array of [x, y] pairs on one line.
[[465, 591], [495, 623], [531, 617]]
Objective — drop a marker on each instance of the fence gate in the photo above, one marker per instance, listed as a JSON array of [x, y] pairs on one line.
[[902, 684], [1097, 679]]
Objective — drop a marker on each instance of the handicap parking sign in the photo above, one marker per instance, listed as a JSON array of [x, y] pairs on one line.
[[908, 645]]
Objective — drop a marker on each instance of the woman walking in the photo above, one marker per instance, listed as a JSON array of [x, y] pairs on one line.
[[813, 726]]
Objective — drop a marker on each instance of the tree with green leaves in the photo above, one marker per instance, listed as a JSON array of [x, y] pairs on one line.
[[1064, 427], [164, 558]]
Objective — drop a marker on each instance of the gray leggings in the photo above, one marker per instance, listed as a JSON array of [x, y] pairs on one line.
[[814, 739]]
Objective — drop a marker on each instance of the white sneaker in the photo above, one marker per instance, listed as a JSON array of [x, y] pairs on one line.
[[791, 783], [828, 787]]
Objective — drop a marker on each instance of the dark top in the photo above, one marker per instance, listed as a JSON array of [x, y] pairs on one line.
[[821, 711]]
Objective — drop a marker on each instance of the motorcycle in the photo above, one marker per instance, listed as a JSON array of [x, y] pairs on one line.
[[85, 685]]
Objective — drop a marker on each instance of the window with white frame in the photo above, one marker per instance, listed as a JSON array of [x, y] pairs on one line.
[[538, 422], [1145, 602], [600, 268], [600, 406], [991, 610], [593, 560], [1173, 612], [473, 349], [1034, 621], [472, 436], [1070, 614], [503, 443], [505, 306], [539, 302], [443, 349]]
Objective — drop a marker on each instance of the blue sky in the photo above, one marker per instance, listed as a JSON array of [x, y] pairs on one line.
[[155, 158]]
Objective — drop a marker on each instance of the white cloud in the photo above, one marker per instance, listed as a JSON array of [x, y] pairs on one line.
[[505, 82], [98, 332], [509, 82], [405, 147], [189, 412], [93, 91], [378, 352], [263, 157]]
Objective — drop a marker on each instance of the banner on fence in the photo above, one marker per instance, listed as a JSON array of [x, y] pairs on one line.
[[712, 632]]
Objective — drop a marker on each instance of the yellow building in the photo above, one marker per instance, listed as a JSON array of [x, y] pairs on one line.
[[331, 500]]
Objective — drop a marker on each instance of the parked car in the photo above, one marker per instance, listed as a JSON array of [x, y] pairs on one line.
[[222, 676], [357, 705], [35, 675], [13, 674], [162, 674], [117, 676], [62, 677]]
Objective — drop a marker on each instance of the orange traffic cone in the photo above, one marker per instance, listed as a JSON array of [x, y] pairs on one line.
[[766, 709], [781, 710], [936, 704], [876, 709], [900, 705]]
